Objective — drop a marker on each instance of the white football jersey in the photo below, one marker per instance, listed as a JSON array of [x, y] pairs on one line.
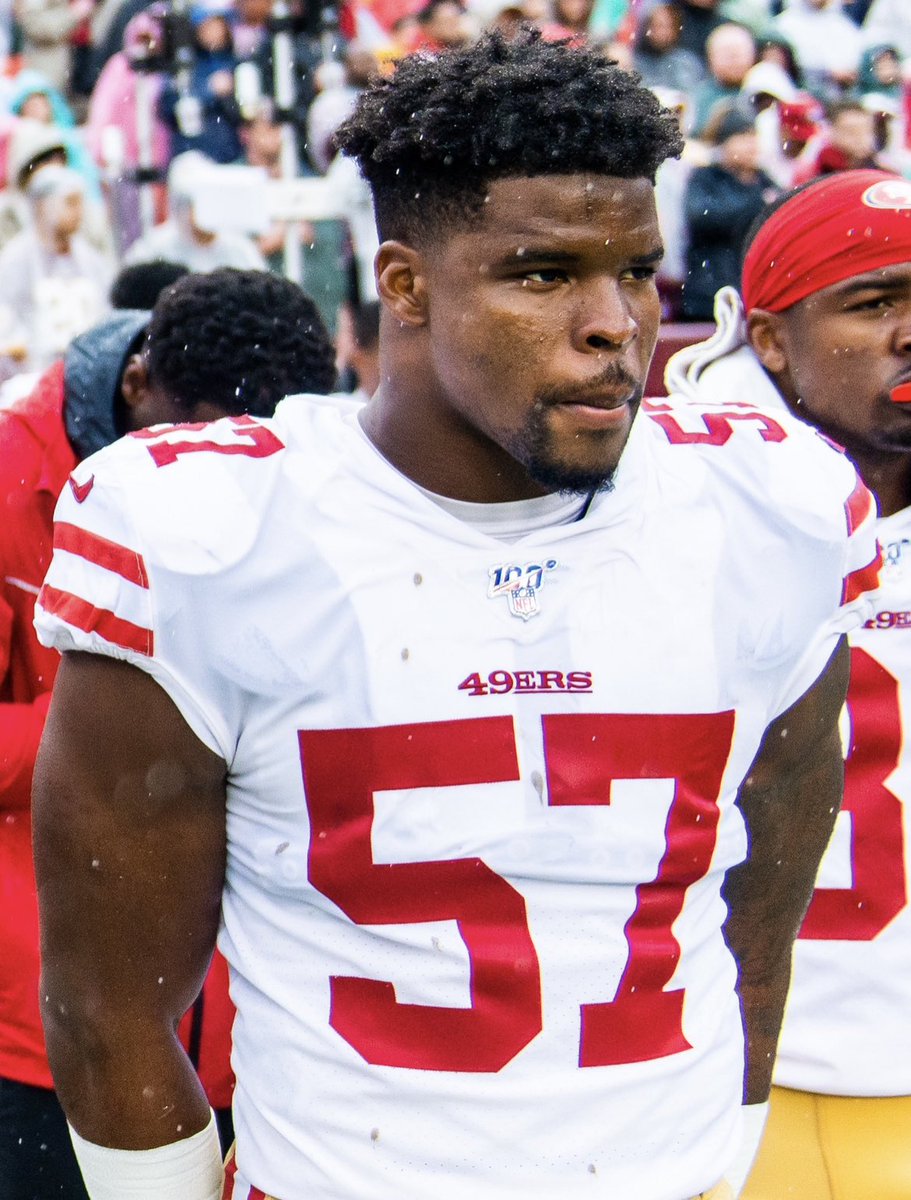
[[847, 1029], [481, 796]]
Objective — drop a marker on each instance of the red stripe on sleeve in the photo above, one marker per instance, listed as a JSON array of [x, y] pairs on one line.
[[76, 611], [864, 579], [257, 1194], [103, 553], [858, 506], [230, 1172]]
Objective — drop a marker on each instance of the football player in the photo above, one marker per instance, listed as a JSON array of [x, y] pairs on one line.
[[827, 297], [492, 727], [199, 354]]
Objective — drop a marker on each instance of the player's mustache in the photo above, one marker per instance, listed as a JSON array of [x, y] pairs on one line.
[[614, 378]]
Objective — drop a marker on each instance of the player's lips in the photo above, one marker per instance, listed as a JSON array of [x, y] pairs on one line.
[[900, 392], [598, 410]]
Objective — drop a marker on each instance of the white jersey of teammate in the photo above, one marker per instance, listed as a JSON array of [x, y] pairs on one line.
[[846, 1029], [481, 796]]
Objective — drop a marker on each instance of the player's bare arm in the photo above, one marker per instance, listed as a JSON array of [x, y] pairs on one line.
[[130, 852], [789, 801]]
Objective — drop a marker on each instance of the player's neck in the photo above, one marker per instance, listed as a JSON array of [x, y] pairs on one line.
[[425, 440], [888, 477]]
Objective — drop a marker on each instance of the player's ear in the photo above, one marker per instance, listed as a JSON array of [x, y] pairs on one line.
[[401, 282], [765, 335], [134, 381]]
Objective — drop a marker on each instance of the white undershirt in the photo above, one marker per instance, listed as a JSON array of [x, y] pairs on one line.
[[508, 522], [514, 519]]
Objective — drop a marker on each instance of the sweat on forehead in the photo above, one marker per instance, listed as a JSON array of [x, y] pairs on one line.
[[843, 225], [430, 139]]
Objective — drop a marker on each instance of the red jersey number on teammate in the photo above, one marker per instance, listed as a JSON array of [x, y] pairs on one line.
[[585, 754], [879, 892], [253, 440]]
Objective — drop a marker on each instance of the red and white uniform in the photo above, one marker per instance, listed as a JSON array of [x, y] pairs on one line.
[[847, 1030], [481, 796]]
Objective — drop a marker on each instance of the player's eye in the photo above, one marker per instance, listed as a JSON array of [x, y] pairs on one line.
[[545, 275], [641, 274], [872, 304]]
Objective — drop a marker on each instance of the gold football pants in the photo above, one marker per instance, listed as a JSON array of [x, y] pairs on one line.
[[833, 1148]]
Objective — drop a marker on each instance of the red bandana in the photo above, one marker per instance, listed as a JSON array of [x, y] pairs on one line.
[[843, 225]]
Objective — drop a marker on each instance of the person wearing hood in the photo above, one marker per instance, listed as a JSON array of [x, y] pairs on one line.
[[880, 72], [822, 329], [133, 369], [35, 98], [33, 145], [53, 282]]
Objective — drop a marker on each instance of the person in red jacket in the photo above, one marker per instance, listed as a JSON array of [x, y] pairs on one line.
[[219, 344]]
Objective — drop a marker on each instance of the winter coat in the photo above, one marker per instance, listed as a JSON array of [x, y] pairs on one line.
[[719, 209], [73, 404]]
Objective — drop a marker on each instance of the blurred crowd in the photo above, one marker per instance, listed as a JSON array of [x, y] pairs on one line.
[[201, 134]]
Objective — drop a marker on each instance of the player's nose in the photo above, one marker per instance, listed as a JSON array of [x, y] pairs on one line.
[[604, 321], [903, 329]]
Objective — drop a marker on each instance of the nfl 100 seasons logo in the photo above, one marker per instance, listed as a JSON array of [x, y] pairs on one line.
[[520, 583]]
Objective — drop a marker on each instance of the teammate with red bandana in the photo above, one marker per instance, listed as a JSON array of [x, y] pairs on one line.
[[825, 331]]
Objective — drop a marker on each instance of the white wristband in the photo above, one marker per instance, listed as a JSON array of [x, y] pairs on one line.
[[186, 1170], [752, 1128]]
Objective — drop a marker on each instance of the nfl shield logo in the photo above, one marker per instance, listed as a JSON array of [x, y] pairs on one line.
[[520, 583]]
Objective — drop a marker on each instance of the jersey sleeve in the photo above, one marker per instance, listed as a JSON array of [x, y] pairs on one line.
[[113, 588], [855, 584]]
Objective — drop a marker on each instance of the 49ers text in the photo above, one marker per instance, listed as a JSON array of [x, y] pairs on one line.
[[499, 683]]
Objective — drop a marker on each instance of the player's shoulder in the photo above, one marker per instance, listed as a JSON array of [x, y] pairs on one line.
[[193, 497], [760, 454]]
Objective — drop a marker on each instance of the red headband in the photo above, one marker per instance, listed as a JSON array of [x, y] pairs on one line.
[[843, 225]]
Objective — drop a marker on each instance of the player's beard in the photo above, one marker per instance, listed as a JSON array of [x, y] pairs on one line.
[[534, 446]]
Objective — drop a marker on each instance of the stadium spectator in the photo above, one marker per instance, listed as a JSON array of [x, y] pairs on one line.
[[850, 142], [790, 136], [181, 239], [53, 283], [780, 52], [827, 45], [441, 25], [880, 72], [698, 18], [730, 53], [203, 116], [47, 27], [670, 191], [660, 61], [721, 202], [34, 98], [230, 342]]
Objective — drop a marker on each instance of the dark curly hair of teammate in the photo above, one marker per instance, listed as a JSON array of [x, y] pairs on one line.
[[240, 339], [431, 138]]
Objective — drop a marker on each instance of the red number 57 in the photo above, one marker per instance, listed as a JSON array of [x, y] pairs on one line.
[[585, 753]]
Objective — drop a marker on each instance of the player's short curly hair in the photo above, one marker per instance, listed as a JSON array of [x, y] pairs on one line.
[[239, 339], [431, 138]]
